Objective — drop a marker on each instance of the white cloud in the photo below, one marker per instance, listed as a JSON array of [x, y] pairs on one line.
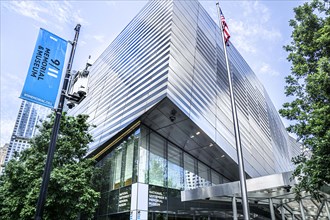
[[61, 12], [266, 69], [82, 43], [243, 45], [11, 85], [27, 8], [247, 35], [7, 126], [99, 38], [254, 10], [64, 12], [251, 28]]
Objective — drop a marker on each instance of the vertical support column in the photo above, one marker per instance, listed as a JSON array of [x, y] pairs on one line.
[[282, 210], [302, 211], [139, 202], [327, 209], [234, 208], [271, 207]]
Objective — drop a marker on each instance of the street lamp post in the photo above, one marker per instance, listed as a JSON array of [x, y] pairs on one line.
[[56, 126]]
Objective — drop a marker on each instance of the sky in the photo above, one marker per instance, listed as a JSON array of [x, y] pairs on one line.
[[259, 30]]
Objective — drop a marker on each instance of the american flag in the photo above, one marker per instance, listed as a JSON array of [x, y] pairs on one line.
[[224, 27]]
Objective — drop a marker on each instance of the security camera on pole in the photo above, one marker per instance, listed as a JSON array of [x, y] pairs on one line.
[[78, 87]]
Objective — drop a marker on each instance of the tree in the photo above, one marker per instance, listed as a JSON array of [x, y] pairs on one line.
[[309, 85], [70, 190]]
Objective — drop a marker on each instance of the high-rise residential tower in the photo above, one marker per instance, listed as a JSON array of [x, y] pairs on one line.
[[159, 98], [28, 117]]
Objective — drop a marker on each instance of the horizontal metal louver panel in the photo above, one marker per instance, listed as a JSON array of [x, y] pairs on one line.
[[173, 49], [131, 74]]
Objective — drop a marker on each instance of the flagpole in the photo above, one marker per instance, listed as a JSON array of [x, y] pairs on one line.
[[236, 129], [54, 134]]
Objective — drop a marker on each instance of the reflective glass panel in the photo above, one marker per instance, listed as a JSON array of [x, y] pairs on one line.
[[204, 175], [190, 177], [143, 156], [129, 162], [175, 170], [157, 162], [117, 167]]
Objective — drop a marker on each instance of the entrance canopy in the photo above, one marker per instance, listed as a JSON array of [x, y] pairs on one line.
[[273, 190]]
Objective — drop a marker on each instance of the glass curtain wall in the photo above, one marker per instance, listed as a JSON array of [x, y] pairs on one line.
[[117, 172], [161, 163], [149, 158]]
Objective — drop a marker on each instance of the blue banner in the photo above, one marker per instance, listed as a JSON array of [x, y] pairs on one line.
[[45, 72]]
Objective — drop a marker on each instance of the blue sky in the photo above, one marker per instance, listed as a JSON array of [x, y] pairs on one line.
[[259, 29]]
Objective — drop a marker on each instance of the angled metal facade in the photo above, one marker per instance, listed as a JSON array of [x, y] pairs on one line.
[[131, 74], [173, 49], [198, 85]]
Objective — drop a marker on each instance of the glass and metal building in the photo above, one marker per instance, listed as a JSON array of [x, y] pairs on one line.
[[159, 98], [29, 116]]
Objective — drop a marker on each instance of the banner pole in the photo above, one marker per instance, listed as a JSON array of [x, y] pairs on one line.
[[56, 126], [236, 130]]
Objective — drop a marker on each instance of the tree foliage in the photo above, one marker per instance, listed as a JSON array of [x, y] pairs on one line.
[[70, 190], [309, 85]]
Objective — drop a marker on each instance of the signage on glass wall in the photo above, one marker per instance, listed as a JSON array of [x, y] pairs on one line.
[[124, 200], [157, 197]]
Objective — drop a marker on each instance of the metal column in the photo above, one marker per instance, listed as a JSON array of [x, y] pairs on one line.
[[327, 209], [234, 208], [303, 217], [271, 207], [282, 211]]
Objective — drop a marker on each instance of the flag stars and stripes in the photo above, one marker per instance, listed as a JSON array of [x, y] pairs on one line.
[[224, 28]]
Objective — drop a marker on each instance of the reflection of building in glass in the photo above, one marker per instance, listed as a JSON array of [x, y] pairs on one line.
[[29, 116], [159, 98]]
